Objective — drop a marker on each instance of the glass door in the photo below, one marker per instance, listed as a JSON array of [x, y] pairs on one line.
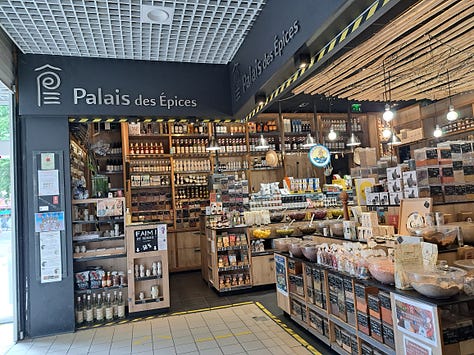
[[8, 324]]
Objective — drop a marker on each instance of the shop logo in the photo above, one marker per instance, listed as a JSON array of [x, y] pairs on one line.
[[236, 83], [47, 81]]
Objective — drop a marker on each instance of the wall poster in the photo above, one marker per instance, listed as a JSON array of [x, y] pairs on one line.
[[50, 254], [415, 319], [413, 347], [280, 269]]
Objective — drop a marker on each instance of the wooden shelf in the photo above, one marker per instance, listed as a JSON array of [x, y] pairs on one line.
[[234, 288], [233, 268], [99, 239], [368, 339], [151, 187], [308, 328], [149, 300], [98, 221], [146, 278], [100, 289], [99, 257], [319, 310], [342, 324]]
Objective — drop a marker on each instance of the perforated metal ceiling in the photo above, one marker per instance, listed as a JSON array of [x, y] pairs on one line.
[[201, 31]]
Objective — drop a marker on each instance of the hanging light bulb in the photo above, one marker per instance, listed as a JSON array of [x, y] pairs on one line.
[[262, 143], [332, 135], [353, 141], [309, 141], [437, 132], [386, 133], [452, 115], [394, 140], [388, 114]]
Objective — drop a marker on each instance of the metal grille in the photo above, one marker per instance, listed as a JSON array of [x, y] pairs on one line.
[[201, 31]]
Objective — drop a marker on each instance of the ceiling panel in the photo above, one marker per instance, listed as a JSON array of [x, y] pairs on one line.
[[201, 31], [425, 53]]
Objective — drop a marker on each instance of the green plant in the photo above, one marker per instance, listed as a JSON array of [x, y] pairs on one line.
[[4, 123]]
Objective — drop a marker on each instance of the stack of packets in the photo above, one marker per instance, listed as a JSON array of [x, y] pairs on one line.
[[370, 227]]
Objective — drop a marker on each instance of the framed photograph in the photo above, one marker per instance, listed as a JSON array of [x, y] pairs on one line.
[[412, 214]]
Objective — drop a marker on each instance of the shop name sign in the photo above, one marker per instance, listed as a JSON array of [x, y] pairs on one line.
[[48, 83], [254, 71]]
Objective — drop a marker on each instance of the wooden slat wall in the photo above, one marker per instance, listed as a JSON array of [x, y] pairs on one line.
[[7, 64]]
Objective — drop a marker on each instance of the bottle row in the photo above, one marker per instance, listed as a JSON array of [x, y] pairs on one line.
[[146, 148], [98, 308], [223, 129], [192, 192], [188, 128], [296, 126], [150, 180], [233, 165], [150, 166], [190, 179], [334, 144], [189, 146], [260, 127], [142, 271], [185, 165], [113, 165], [233, 280], [232, 145], [115, 149]]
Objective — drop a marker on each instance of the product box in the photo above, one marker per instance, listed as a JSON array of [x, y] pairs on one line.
[[310, 294], [466, 149], [468, 168], [295, 267], [456, 152], [384, 199], [374, 306], [395, 185], [319, 299], [409, 179], [81, 280], [395, 198], [436, 193], [354, 346], [318, 279], [385, 307], [388, 335], [450, 194], [333, 303], [373, 198], [425, 156], [348, 288], [444, 155], [369, 219], [447, 174], [366, 349], [376, 329], [394, 173], [361, 293], [410, 192], [308, 272], [423, 191], [316, 322], [422, 176], [350, 311], [346, 340], [363, 322]]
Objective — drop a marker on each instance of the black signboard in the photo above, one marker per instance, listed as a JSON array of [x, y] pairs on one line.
[[146, 240]]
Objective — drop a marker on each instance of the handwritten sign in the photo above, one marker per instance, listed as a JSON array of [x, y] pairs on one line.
[[146, 240]]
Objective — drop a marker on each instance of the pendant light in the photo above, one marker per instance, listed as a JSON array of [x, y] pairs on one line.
[[309, 141], [388, 114], [262, 143], [438, 131], [394, 140], [353, 141], [386, 133], [332, 134], [452, 114]]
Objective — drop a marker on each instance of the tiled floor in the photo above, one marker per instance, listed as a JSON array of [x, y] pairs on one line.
[[240, 329], [234, 330]]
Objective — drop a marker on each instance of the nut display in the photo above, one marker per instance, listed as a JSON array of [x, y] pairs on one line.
[[285, 232]]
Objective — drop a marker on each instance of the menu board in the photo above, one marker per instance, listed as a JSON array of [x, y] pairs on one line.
[[146, 240]]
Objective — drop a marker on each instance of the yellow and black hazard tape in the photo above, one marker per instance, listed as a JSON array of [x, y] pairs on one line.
[[97, 119], [319, 56], [155, 316], [290, 331]]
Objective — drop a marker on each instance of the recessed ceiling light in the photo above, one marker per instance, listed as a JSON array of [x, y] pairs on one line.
[[157, 14]]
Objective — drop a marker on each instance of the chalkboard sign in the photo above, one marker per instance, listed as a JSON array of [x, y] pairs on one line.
[[146, 240]]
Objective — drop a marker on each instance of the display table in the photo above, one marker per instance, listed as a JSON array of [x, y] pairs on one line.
[[355, 316]]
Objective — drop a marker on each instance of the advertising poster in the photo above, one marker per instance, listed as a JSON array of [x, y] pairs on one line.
[[109, 207], [412, 347], [162, 241], [415, 319], [50, 256], [280, 269], [49, 222]]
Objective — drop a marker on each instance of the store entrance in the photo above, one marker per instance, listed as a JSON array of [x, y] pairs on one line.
[[7, 254]]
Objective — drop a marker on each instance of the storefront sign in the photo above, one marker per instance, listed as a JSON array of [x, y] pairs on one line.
[[90, 86]]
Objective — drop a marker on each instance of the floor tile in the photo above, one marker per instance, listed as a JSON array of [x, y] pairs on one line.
[[203, 345], [186, 348], [78, 351], [165, 351], [232, 349], [252, 345], [183, 340], [120, 351]]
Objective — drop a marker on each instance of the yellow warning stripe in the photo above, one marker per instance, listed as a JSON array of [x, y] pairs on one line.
[[154, 119], [338, 39]]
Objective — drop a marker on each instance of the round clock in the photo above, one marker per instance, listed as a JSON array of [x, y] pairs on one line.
[[415, 221], [319, 155]]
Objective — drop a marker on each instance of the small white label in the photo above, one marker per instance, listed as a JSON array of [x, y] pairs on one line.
[[43, 208]]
